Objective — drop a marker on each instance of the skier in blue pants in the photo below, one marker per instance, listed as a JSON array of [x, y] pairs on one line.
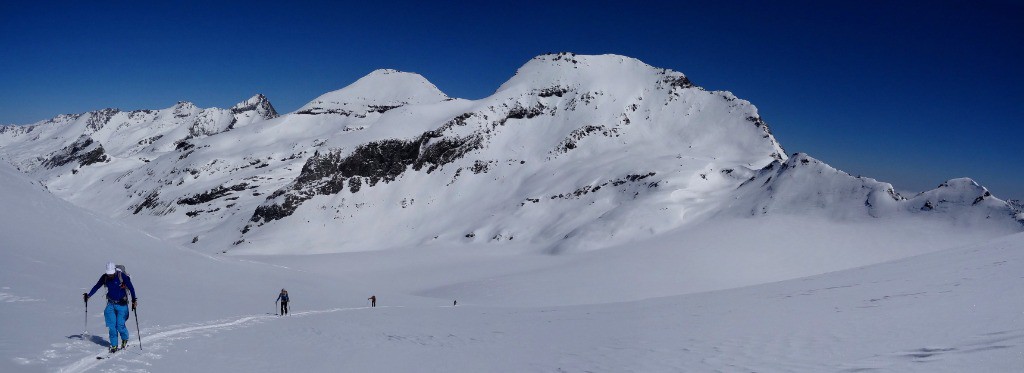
[[116, 313]]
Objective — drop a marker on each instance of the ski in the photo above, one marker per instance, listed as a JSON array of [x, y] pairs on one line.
[[108, 354]]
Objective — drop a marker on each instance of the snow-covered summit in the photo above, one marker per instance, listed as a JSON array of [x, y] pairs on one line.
[[378, 91], [612, 71], [966, 201], [804, 185]]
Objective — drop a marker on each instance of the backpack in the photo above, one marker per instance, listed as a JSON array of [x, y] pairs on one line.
[[120, 268]]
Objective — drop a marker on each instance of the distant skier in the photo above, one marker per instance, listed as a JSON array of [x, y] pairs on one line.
[[115, 314], [373, 300], [455, 303], [283, 298]]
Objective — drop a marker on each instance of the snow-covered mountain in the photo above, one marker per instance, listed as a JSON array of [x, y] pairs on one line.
[[806, 186], [573, 153], [690, 241]]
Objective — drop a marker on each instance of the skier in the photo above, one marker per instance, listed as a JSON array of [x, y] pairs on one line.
[[373, 300], [283, 298], [116, 313], [455, 303]]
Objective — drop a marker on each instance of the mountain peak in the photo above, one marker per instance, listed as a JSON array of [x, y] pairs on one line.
[[961, 183], [611, 70], [382, 88], [255, 99], [259, 104], [388, 72]]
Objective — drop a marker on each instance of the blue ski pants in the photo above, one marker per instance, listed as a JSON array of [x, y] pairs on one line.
[[116, 315]]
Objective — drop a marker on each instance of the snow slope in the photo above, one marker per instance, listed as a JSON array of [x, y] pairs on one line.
[[942, 312], [52, 252], [946, 311]]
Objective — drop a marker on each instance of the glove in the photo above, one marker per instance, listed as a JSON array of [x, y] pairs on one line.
[[85, 297], [134, 302]]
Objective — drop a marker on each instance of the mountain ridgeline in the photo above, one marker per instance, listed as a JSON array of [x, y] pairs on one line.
[[573, 153]]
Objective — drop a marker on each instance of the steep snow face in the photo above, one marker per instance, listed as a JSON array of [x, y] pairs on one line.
[[806, 186], [380, 91]]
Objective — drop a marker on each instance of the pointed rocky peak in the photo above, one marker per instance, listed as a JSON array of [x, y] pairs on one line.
[[257, 104], [379, 91], [608, 70]]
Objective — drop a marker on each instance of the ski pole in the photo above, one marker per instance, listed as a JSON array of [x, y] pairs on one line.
[[86, 330], [137, 331]]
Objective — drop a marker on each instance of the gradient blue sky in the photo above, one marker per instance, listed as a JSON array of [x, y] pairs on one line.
[[909, 93]]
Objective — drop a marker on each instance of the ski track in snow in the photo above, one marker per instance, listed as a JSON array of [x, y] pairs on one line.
[[91, 361]]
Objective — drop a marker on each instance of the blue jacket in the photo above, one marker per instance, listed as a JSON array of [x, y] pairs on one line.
[[115, 293], [281, 297]]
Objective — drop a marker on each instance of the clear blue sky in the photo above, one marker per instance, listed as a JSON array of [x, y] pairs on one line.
[[909, 93]]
